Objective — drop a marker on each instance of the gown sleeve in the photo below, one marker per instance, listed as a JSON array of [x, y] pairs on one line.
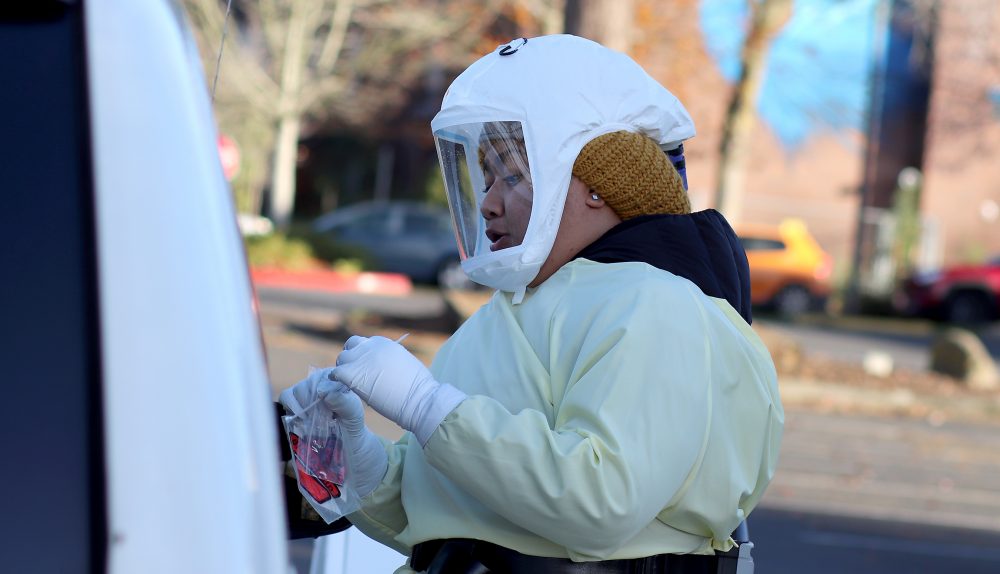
[[382, 516]]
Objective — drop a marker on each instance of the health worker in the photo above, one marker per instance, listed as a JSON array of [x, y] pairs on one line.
[[610, 408]]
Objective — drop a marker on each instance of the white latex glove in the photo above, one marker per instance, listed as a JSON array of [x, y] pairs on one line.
[[396, 384], [366, 458], [302, 394]]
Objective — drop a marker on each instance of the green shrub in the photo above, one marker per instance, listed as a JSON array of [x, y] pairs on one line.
[[302, 248], [277, 250], [340, 257], [349, 265]]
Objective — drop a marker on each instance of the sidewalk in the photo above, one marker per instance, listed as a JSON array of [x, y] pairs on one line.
[[835, 386], [936, 408]]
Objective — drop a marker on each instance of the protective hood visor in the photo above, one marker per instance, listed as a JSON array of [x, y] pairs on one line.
[[488, 183]]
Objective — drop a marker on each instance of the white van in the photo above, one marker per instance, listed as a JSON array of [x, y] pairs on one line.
[[139, 433]]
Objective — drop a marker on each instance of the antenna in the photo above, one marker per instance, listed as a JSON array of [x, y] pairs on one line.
[[222, 45]]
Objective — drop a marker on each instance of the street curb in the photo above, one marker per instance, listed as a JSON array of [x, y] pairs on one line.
[[331, 281]]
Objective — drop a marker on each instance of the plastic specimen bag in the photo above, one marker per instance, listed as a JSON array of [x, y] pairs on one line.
[[321, 466]]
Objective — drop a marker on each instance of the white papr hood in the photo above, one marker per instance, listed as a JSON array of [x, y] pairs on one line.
[[565, 91]]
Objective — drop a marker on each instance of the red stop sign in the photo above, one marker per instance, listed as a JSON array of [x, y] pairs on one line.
[[229, 155]]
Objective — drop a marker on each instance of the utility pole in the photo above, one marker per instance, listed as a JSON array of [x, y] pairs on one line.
[[873, 128]]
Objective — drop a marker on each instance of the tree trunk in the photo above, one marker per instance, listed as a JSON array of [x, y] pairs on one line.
[[283, 174], [609, 22], [554, 18], [768, 17], [289, 120]]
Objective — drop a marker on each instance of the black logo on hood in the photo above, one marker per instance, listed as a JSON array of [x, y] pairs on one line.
[[513, 46]]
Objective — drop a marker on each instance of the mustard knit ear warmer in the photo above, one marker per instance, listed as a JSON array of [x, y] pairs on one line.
[[632, 174]]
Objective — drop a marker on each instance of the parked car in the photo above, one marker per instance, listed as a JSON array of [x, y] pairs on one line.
[[413, 238], [789, 271], [956, 294]]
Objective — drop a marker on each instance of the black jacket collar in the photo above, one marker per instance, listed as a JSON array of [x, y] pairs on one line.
[[700, 247]]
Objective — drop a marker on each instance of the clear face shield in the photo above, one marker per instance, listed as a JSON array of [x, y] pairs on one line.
[[488, 183]]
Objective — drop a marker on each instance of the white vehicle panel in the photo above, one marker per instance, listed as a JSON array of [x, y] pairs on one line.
[[192, 459]]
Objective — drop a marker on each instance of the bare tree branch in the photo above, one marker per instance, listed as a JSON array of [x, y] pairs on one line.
[[335, 38], [292, 63]]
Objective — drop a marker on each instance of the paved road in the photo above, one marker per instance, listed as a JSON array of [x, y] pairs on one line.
[[798, 542], [907, 470], [908, 342], [851, 494]]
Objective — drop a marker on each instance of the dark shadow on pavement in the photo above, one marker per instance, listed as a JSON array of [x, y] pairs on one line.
[[794, 542]]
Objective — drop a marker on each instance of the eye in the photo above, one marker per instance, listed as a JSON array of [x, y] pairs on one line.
[[512, 180], [490, 180]]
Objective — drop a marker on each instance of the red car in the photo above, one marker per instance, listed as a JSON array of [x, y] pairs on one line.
[[959, 294]]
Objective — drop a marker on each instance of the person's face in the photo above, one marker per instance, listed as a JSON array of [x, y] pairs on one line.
[[506, 206]]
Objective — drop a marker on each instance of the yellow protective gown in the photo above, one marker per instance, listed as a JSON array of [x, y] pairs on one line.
[[617, 412]]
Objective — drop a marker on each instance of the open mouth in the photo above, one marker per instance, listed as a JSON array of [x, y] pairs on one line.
[[497, 240]]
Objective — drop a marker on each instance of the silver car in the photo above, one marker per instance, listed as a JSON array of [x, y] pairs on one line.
[[413, 238]]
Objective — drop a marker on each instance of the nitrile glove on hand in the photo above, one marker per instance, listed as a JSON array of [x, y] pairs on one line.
[[396, 384], [336, 464]]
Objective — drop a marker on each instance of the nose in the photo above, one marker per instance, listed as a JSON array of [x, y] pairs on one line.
[[492, 206]]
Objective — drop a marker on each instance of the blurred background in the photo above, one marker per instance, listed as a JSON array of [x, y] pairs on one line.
[[852, 143], [872, 122]]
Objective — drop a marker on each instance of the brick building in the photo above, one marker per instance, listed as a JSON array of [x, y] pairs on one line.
[[818, 182], [948, 126], [961, 195]]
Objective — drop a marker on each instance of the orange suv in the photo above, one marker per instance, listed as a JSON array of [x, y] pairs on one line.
[[789, 271]]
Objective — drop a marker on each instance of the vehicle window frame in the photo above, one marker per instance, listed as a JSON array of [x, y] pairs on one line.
[[51, 302]]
